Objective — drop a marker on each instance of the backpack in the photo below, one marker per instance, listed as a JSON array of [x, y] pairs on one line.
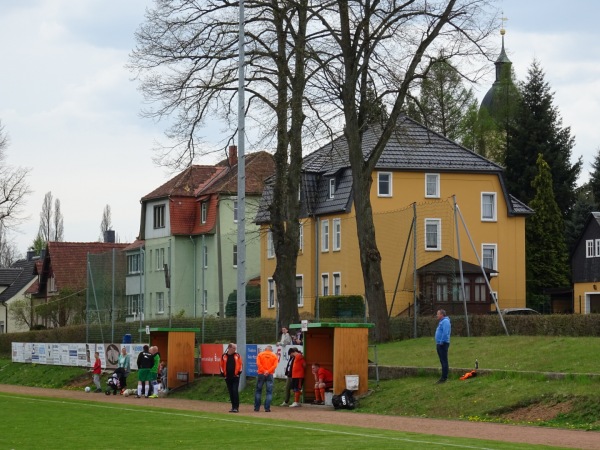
[[344, 401]]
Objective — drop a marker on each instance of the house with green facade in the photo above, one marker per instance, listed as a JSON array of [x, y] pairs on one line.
[[184, 262]]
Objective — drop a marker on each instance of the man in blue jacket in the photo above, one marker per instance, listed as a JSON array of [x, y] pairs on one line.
[[442, 341]]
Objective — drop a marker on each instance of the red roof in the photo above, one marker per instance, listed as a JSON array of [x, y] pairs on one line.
[[68, 262]]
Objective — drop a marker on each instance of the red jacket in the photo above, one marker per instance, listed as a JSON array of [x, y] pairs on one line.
[[298, 366], [97, 366], [238, 364]]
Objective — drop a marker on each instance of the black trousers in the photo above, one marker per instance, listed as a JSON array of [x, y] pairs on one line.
[[233, 385]]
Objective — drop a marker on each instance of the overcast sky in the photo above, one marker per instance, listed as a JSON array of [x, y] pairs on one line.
[[71, 109]]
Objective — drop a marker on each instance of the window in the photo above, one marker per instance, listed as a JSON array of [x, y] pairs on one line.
[[51, 284], [489, 256], [235, 256], [133, 263], [160, 258], [325, 236], [159, 216], [331, 187], [270, 247], [160, 302], [205, 256], [300, 290], [337, 283], [432, 185], [271, 294], [324, 284], [441, 285], [597, 247], [134, 305], [384, 184], [235, 210], [488, 206], [1, 327], [337, 234], [301, 236], [480, 290], [589, 248], [205, 300], [433, 237], [203, 212]]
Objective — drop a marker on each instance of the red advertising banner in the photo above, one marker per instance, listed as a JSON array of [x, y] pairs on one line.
[[210, 355]]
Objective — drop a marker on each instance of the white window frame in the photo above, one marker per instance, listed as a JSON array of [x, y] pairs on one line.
[[270, 246], [300, 290], [160, 302], [589, 248], [271, 293], [300, 236], [485, 216], [597, 247], [235, 211], [160, 258], [388, 183], [133, 263], [325, 284], [235, 255], [331, 187], [337, 234], [438, 225], [325, 235], [494, 249], [337, 283], [432, 180], [205, 257], [159, 216], [205, 300], [203, 212]]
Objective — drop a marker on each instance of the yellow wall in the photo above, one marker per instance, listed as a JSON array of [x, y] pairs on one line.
[[393, 216], [580, 292]]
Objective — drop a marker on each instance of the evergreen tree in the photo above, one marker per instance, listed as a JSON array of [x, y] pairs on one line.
[[547, 259], [443, 101], [538, 129], [594, 182]]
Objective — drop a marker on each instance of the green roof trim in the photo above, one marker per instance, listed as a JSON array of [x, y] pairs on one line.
[[333, 325], [194, 330]]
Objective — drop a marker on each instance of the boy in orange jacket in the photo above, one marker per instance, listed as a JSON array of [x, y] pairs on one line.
[[297, 376]]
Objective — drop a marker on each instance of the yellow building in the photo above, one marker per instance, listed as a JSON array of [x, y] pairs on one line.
[[443, 220]]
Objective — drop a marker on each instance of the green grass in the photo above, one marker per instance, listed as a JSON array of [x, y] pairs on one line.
[[519, 382], [70, 424]]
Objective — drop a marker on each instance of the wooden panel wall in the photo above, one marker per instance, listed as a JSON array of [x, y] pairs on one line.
[[351, 357]]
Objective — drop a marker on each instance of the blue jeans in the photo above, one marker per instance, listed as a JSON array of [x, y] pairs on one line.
[[442, 351], [260, 381]]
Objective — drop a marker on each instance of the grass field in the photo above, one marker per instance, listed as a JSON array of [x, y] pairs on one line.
[[34, 423]]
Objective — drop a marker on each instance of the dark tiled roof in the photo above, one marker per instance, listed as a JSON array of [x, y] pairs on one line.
[[22, 273], [448, 264], [412, 147]]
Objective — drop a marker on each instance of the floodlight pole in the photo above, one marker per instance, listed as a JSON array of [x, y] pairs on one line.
[[241, 199]]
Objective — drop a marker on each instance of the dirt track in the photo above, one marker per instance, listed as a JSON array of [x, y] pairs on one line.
[[319, 414]]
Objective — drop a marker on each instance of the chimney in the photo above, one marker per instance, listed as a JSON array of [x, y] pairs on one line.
[[233, 155], [109, 236]]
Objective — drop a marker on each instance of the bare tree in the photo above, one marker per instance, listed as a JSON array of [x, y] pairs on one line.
[[46, 229], [13, 188], [313, 69], [106, 223], [9, 253], [59, 229]]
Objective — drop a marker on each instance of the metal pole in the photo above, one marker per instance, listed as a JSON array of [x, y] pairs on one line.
[[241, 191], [112, 315], [460, 266], [140, 309], [415, 296]]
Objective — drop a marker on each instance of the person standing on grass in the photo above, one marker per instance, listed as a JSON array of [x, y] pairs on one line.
[[145, 361], [298, 377], [231, 368], [442, 342], [124, 362], [266, 363], [288, 375], [154, 372], [97, 371]]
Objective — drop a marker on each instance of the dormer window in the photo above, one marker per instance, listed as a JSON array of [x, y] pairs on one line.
[[331, 187], [203, 212]]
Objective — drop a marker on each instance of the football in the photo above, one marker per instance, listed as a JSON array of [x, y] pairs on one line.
[[87, 389]]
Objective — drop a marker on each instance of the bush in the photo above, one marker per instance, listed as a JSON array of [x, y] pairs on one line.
[[341, 306], [252, 302]]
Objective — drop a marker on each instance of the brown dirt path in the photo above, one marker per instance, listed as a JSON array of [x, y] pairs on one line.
[[319, 414]]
